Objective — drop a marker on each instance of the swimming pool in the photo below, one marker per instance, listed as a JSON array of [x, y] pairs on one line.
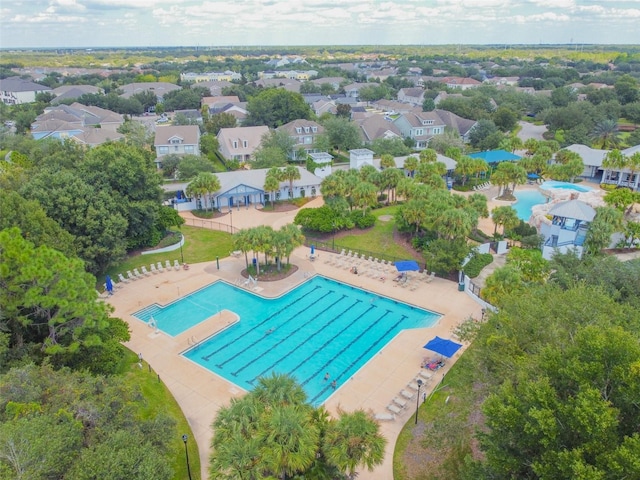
[[526, 200], [321, 326], [564, 185]]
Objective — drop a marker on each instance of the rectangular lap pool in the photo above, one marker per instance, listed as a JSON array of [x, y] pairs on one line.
[[319, 327]]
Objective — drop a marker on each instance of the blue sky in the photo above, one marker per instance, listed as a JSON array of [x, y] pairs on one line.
[[99, 23]]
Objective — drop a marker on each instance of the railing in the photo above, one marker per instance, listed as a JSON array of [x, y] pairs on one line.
[[210, 224]]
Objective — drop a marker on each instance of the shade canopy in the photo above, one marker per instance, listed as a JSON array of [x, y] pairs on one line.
[[445, 347], [496, 156], [407, 265], [533, 176], [109, 284]]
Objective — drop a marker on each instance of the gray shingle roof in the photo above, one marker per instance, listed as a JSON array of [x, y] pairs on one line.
[[573, 209]]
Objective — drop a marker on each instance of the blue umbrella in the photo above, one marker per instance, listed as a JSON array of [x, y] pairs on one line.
[[313, 249], [443, 346], [109, 285], [407, 265]]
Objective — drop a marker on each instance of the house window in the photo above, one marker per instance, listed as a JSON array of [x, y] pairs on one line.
[[427, 122], [189, 149], [163, 150], [306, 129], [245, 144], [437, 130], [298, 129], [419, 131], [308, 140], [314, 129], [235, 144]]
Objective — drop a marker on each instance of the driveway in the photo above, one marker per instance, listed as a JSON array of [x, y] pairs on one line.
[[529, 130]]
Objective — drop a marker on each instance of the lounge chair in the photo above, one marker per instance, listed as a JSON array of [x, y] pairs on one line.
[[154, 270], [385, 417], [394, 408], [160, 267], [430, 278], [400, 402], [131, 276], [137, 273], [412, 386], [176, 265], [145, 272], [167, 264], [122, 279], [406, 394], [104, 294], [425, 375]]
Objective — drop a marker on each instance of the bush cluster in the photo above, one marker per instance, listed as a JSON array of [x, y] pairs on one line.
[[477, 263]]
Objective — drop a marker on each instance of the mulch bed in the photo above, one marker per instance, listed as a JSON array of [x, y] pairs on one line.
[[270, 273]]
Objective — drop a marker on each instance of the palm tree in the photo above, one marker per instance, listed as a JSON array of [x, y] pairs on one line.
[[290, 173], [410, 164], [428, 155], [365, 195], [386, 161], [271, 185], [465, 167], [203, 186], [352, 441], [242, 242], [414, 212], [454, 223], [615, 160], [606, 134], [279, 389], [505, 216], [295, 238]]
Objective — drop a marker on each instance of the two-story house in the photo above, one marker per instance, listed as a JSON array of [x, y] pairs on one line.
[[176, 140], [77, 121], [420, 126], [414, 96], [568, 228], [15, 90], [239, 143], [304, 133]]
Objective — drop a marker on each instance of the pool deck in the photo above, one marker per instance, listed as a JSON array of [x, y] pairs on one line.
[[200, 393]]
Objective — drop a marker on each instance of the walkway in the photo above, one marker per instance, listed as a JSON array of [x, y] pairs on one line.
[[201, 393]]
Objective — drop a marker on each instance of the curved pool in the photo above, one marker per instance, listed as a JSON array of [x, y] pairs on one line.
[[526, 200], [564, 186]]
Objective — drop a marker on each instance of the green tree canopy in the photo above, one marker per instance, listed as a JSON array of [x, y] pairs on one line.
[[276, 106]]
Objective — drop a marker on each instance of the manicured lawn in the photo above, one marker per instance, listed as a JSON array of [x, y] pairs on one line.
[[201, 245], [158, 399], [377, 239]]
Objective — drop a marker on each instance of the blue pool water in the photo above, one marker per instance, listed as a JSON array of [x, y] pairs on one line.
[[526, 200], [320, 326], [564, 185]]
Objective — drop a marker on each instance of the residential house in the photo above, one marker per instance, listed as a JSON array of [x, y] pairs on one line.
[[360, 157], [335, 82], [291, 85], [391, 107], [160, 89], [15, 90], [592, 159], [215, 87], [68, 121], [193, 115], [623, 177], [382, 74], [226, 76], [176, 140], [503, 81], [567, 229], [324, 105], [444, 95], [239, 143], [374, 126], [463, 83], [244, 188], [414, 96], [304, 133], [73, 92], [420, 126], [462, 125], [353, 89], [216, 104]]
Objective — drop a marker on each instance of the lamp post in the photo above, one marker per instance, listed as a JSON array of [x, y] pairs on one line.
[[417, 400], [333, 241], [181, 254], [231, 220], [186, 453]]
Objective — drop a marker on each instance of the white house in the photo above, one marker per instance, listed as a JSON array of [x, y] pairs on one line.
[[239, 143], [15, 90], [360, 157], [567, 229], [244, 188], [177, 140]]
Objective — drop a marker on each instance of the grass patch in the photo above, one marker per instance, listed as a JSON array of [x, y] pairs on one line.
[[377, 239], [436, 447], [201, 245], [159, 400]]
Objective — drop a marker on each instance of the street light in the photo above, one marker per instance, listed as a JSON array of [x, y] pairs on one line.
[[181, 254], [333, 241], [186, 452], [417, 400], [231, 219]]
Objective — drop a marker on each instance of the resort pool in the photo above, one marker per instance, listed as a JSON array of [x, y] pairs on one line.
[[321, 326], [564, 185], [526, 200]]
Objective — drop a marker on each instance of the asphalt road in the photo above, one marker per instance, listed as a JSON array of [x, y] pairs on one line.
[[530, 130]]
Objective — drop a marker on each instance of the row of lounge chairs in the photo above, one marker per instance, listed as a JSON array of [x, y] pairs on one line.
[[483, 186], [154, 269], [400, 402]]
